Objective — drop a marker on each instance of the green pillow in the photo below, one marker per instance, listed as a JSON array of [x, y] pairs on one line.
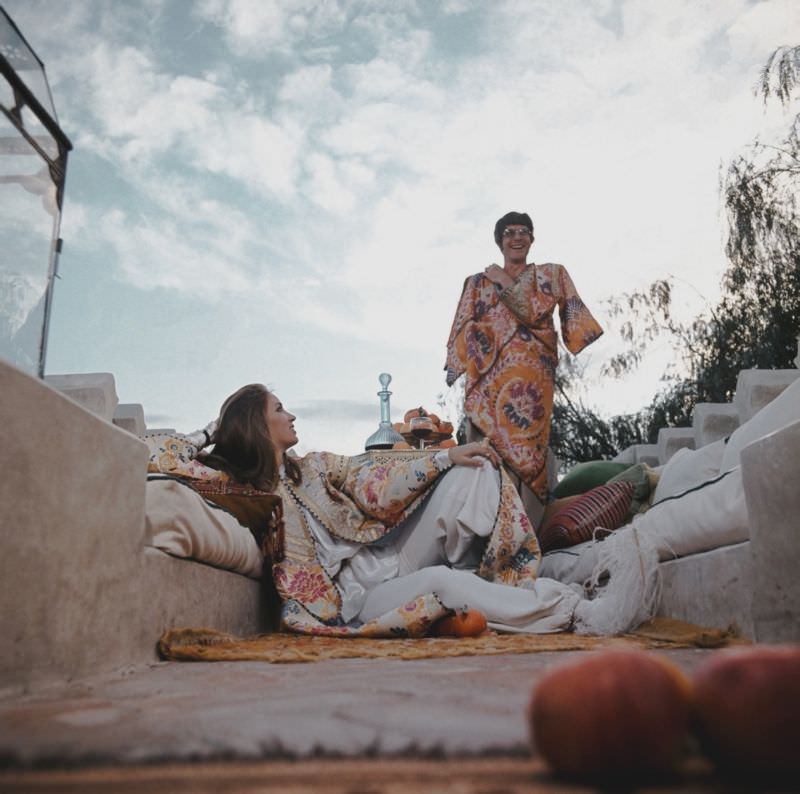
[[582, 477], [641, 475]]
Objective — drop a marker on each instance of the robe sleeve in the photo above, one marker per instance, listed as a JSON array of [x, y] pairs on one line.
[[578, 327], [456, 363], [177, 455], [385, 491]]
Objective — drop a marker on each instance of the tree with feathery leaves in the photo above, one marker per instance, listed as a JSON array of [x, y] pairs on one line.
[[756, 322]]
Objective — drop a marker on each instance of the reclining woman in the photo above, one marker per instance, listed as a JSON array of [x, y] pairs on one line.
[[377, 549]]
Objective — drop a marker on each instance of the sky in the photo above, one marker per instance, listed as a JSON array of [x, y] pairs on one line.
[[292, 192]]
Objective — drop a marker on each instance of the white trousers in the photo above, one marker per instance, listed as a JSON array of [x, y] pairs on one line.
[[440, 546]]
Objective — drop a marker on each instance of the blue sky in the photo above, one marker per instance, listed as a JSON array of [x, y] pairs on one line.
[[293, 192]]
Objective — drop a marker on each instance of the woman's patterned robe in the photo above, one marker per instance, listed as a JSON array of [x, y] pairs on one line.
[[360, 499]]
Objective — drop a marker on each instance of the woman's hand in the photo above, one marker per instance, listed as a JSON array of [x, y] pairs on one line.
[[474, 454]]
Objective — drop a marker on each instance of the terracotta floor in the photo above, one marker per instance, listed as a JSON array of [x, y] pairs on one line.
[[351, 725]]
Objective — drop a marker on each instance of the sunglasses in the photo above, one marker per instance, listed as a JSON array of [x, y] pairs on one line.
[[517, 232]]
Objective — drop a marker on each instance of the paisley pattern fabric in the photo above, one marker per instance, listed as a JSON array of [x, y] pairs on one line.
[[175, 454], [362, 499], [505, 342]]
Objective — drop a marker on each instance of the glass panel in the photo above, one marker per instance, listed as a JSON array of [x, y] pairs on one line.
[[28, 220], [37, 130], [25, 64]]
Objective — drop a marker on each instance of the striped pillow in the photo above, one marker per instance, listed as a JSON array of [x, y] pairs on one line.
[[605, 506]]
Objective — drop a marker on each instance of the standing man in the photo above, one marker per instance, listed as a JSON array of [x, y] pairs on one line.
[[504, 339]]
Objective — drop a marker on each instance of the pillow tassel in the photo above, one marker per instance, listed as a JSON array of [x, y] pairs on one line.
[[633, 591]]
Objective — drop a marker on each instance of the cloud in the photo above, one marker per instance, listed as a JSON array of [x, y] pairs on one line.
[[351, 157], [158, 254], [337, 410], [761, 27], [255, 27]]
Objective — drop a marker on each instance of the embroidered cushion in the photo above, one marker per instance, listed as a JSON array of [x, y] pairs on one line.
[[574, 520], [583, 477], [182, 523]]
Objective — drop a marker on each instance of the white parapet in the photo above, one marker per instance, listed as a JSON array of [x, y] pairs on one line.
[[771, 473], [95, 391], [713, 421], [757, 387], [73, 528], [670, 440], [130, 417]]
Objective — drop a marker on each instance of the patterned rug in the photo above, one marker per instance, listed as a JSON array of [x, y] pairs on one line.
[[207, 645]]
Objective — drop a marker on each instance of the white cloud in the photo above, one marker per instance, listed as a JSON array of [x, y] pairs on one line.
[[368, 191], [310, 89], [157, 254], [256, 27], [761, 27]]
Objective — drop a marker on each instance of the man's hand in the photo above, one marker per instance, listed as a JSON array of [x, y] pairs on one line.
[[474, 454], [496, 274]]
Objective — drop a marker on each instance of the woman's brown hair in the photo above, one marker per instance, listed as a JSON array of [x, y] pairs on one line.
[[243, 446]]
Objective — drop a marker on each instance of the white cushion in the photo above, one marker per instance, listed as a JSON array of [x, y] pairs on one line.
[[707, 516], [573, 565], [783, 410], [688, 468], [180, 522]]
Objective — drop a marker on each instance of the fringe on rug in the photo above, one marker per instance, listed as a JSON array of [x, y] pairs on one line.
[[627, 582]]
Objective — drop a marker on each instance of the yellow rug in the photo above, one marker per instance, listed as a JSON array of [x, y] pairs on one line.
[[207, 645]]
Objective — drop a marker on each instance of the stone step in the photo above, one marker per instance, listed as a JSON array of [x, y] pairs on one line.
[[671, 439], [639, 453], [95, 391], [713, 421], [130, 417], [757, 387]]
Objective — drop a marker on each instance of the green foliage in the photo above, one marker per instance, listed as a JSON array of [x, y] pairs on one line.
[[756, 321]]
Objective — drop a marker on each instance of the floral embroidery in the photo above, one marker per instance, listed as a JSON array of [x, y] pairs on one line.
[[305, 586]]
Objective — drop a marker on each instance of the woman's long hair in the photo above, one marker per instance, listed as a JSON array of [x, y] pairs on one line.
[[243, 446]]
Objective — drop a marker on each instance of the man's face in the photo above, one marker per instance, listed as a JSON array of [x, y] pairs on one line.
[[516, 242]]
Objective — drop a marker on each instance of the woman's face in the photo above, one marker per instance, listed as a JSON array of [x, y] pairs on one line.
[[281, 424], [516, 242]]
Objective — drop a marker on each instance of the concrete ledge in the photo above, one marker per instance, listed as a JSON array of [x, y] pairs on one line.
[[95, 391], [771, 474], [757, 387], [188, 593], [713, 421], [711, 589]]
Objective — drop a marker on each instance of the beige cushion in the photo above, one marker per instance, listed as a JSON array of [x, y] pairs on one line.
[[180, 522]]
